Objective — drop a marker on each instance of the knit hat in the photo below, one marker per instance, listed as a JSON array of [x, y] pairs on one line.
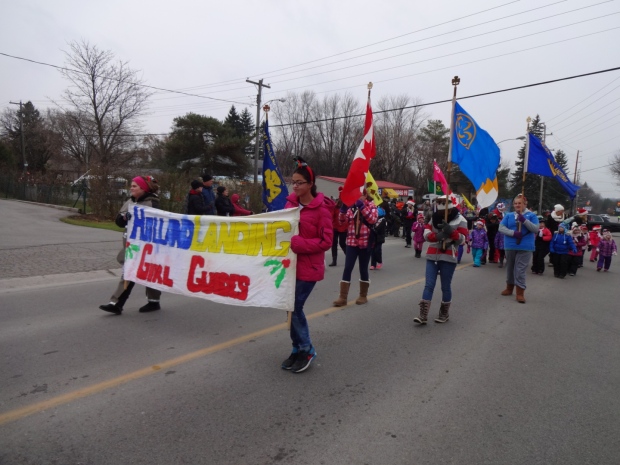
[[558, 208], [220, 189], [206, 177], [196, 184]]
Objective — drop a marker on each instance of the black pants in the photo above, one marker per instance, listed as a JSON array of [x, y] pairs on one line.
[[538, 262], [574, 262], [560, 264], [407, 231], [377, 254], [340, 239], [492, 250]]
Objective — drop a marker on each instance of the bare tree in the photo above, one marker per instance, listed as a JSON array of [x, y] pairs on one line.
[[396, 130], [104, 102], [291, 138], [615, 166]]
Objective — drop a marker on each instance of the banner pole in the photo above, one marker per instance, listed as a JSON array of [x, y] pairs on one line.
[[455, 82]]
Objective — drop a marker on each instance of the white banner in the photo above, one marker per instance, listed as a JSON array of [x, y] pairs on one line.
[[244, 260]]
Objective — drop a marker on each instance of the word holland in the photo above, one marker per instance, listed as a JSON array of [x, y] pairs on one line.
[[233, 237]]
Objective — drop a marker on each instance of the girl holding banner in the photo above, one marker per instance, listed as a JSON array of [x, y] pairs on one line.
[[143, 191], [314, 239]]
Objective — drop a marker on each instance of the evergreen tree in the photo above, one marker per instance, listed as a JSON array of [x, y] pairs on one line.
[[248, 128], [233, 121], [198, 141], [531, 187]]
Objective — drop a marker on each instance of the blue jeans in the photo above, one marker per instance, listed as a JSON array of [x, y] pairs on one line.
[[445, 270], [300, 333], [353, 254]]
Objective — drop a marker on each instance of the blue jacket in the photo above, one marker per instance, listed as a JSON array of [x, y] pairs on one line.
[[508, 226], [561, 243], [209, 196]]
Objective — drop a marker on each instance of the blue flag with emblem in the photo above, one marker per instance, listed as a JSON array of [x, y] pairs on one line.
[[477, 155], [274, 187], [541, 161]]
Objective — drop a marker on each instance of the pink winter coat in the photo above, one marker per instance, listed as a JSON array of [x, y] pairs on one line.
[[418, 231], [314, 238]]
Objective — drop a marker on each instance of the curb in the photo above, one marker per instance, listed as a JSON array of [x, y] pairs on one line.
[[54, 280], [50, 205]]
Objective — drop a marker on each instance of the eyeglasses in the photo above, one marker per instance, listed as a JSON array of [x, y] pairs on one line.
[[299, 183]]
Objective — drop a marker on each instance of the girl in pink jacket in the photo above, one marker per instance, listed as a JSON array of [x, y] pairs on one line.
[[418, 235], [314, 239]]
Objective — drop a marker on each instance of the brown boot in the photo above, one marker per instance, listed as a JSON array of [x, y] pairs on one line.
[[341, 301], [520, 295], [425, 306], [362, 299], [444, 310], [509, 289]]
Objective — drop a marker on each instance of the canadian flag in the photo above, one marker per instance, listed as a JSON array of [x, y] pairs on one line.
[[356, 179]]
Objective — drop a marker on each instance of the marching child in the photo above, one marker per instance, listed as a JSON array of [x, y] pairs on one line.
[[559, 246], [377, 238], [606, 248], [576, 257], [542, 248], [499, 245], [418, 235], [595, 238], [479, 242]]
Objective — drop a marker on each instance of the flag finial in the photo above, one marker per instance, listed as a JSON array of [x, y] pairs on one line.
[[266, 108], [456, 81], [369, 85]]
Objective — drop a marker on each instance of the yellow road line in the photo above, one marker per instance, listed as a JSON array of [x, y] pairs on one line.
[[19, 413]]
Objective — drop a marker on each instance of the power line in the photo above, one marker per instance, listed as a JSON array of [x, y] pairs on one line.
[[460, 98], [118, 80]]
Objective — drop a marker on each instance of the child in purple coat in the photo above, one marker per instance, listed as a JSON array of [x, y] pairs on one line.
[[606, 248], [418, 235], [479, 242]]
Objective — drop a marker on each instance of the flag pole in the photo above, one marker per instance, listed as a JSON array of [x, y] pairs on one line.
[[525, 163], [455, 82]]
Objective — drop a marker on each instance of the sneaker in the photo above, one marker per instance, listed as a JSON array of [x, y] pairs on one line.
[[379, 266], [571, 274], [290, 361], [407, 247], [605, 271], [372, 267], [117, 310], [150, 307], [598, 269], [304, 359]]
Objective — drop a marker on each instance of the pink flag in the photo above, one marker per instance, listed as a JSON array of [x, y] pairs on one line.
[[356, 179], [439, 177]]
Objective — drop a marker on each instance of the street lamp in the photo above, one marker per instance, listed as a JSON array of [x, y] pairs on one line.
[[256, 148], [516, 138]]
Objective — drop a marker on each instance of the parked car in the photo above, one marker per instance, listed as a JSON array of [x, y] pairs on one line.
[[605, 223]]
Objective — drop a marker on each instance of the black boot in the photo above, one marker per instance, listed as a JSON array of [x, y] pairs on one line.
[[112, 308], [333, 263], [150, 307]]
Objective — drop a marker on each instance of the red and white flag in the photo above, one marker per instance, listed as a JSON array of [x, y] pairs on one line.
[[440, 178], [356, 179]]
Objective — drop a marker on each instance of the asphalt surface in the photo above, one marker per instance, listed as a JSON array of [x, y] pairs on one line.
[[199, 383]]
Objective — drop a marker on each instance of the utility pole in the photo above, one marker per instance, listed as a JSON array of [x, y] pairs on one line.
[[258, 102], [544, 125], [21, 130], [575, 182]]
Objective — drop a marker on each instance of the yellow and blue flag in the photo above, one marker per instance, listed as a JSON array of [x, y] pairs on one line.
[[540, 161], [373, 190], [477, 155], [274, 187]]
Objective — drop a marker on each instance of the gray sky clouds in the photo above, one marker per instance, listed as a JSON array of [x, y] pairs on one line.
[[210, 48]]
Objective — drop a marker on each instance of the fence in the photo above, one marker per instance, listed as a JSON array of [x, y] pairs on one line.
[[41, 192]]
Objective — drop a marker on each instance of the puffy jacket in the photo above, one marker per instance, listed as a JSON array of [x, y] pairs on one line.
[[418, 231], [196, 204], [209, 196], [479, 239], [580, 242], [543, 237], [561, 243], [314, 238], [224, 206], [239, 210], [336, 224], [508, 227]]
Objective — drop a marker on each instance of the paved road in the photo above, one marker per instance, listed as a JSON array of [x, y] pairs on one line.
[[199, 383], [34, 242]]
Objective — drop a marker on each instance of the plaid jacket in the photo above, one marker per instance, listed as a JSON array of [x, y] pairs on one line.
[[607, 248], [369, 213]]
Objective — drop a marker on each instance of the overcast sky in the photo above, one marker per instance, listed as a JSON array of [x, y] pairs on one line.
[[403, 47]]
